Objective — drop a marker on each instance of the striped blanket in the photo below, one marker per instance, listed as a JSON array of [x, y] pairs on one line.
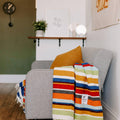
[[76, 93], [20, 97]]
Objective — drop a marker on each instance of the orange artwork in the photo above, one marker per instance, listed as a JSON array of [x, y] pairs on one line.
[[101, 4]]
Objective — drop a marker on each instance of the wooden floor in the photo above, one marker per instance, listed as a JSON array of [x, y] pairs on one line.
[[9, 109]]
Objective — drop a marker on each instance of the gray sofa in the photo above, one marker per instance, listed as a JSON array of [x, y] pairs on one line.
[[38, 102]]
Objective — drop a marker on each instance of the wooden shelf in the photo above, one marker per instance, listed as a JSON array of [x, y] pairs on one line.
[[59, 38]]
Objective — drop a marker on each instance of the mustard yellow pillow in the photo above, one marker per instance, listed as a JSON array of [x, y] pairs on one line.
[[68, 58]]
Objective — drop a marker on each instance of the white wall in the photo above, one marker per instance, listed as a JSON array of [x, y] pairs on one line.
[[12, 78], [108, 38], [77, 15]]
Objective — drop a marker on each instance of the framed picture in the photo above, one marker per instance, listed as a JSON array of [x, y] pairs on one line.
[[105, 13], [58, 22]]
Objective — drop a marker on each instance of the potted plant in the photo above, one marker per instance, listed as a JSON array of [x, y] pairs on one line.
[[40, 27]]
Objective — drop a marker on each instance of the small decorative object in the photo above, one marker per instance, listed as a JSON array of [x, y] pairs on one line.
[[40, 27], [81, 30], [9, 8], [72, 32]]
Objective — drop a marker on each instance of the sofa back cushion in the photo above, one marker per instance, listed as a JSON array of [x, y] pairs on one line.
[[42, 64], [100, 58]]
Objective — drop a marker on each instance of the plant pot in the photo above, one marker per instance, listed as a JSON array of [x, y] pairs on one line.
[[40, 33]]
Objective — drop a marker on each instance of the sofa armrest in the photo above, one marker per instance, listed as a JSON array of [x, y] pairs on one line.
[[39, 91]]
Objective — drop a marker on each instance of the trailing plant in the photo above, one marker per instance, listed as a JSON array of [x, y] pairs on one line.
[[40, 25]]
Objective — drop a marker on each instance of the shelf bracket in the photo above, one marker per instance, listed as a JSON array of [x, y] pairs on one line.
[[59, 42], [34, 40], [38, 42], [83, 42]]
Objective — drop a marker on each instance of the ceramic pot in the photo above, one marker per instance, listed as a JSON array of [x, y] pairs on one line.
[[40, 33]]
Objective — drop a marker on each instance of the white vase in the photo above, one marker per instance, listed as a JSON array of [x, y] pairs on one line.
[[40, 33]]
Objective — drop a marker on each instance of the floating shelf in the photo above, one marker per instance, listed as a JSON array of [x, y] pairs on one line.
[[59, 38]]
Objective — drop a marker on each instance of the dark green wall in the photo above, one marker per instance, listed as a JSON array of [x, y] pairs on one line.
[[17, 52]]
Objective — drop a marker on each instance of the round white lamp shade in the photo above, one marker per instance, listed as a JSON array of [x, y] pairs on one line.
[[81, 30]]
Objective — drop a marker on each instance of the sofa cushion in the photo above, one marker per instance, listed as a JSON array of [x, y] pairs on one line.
[[69, 58]]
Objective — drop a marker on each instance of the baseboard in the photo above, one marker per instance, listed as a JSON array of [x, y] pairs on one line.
[[112, 114], [7, 78]]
